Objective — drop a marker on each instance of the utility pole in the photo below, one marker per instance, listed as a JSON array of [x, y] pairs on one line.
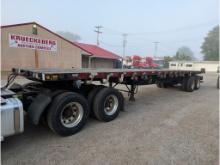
[[124, 45], [155, 48], [98, 32]]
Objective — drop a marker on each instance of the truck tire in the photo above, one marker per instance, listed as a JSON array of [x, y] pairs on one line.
[[68, 113], [184, 84], [43, 118], [107, 104], [190, 85], [86, 89], [91, 96], [197, 83], [162, 85], [122, 100], [159, 84]]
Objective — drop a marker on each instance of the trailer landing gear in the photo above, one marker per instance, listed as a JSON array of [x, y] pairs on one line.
[[132, 93]]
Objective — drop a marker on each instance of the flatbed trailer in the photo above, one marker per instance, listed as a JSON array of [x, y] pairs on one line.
[[64, 98]]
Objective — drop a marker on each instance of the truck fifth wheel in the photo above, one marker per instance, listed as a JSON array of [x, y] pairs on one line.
[[64, 98]]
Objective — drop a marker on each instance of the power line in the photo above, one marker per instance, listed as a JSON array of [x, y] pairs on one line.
[[184, 28], [110, 44], [190, 27], [112, 31], [98, 32]]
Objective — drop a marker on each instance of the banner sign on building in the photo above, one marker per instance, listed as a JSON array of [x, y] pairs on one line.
[[30, 42]]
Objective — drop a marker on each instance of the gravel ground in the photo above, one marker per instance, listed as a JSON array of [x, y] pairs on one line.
[[163, 126]]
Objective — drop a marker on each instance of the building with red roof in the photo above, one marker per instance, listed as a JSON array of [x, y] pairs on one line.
[[33, 45], [97, 57]]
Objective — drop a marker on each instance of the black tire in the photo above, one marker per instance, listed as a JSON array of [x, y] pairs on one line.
[[43, 119], [164, 85], [171, 84], [159, 84], [91, 96], [57, 92], [99, 104], [190, 85], [86, 89], [55, 110], [184, 84], [197, 83], [122, 100]]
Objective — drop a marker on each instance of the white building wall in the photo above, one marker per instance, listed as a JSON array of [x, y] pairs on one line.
[[209, 66]]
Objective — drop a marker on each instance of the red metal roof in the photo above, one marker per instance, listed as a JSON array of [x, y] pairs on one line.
[[97, 51]]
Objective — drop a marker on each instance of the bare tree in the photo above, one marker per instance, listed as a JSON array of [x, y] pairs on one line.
[[184, 54]]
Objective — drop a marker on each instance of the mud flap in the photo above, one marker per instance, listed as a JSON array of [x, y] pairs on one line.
[[37, 108]]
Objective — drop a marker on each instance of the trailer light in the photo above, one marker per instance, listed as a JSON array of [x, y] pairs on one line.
[[55, 77], [47, 77], [52, 77]]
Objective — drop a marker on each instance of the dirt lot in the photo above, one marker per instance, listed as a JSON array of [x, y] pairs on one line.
[[163, 126]]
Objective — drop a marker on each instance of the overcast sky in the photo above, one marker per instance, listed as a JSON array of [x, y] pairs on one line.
[[173, 23]]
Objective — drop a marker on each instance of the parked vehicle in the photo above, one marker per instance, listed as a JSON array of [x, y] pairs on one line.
[[138, 62], [64, 98]]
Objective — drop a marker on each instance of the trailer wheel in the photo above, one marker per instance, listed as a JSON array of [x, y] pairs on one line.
[[159, 84], [190, 85], [122, 100], [107, 104], [197, 83], [162, 85], [184, 84], [91, 96], [86, 89], [68, 113]]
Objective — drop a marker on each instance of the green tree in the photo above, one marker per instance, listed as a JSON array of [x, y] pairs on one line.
[[184, 54], [167, 59], [210, 47], [69, 35]]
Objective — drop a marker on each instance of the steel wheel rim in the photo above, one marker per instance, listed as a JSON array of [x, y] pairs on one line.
[[71, 114], [110, 105]]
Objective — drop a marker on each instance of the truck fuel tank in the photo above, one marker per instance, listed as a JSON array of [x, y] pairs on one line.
[[12, 117]]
